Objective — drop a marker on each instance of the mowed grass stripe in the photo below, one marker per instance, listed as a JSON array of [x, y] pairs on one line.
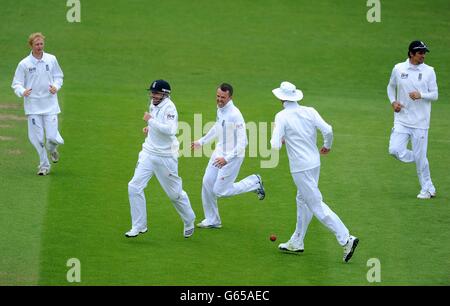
[[23, 201]]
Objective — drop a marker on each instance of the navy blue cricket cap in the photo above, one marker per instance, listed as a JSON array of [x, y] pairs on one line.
[[160, 86], [417, 46]]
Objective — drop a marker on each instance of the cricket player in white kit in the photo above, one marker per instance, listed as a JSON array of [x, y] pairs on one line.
[[159, 157], [226, 160], [38, 78], [411, 89], [296, 126]]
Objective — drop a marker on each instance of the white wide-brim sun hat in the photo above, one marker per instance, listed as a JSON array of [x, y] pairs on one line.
[[288, 92]]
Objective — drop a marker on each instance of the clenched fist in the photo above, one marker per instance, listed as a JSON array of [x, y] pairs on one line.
[[397, 106]]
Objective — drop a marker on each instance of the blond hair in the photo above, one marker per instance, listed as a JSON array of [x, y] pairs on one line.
[[33, 36]]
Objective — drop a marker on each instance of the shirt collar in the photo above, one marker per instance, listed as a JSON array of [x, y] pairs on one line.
[[227, 106], [162, 103], [35, 60], [290, 104], [413, 67]]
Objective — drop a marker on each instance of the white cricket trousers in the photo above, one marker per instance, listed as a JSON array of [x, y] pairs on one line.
[[166, 171], [398, 142], [38, 126], [219, 183], [309, 203]]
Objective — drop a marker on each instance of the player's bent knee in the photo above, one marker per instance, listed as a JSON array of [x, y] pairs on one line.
[[36, 140], [318, 212], [208, 182], [300, 200], [133, 189], [52, 141], [324, 218], [394, 152], [176, 196], [220, 192]]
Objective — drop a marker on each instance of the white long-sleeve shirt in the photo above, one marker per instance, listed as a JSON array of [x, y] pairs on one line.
[[406, 78], [39, 74], [298, 125], [162, 128], [230, 131]]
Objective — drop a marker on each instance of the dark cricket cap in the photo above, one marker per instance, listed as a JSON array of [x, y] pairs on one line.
[[417, 46], [160, 86]]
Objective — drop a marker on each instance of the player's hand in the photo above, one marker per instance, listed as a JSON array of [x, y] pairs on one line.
[[27, 92], [397, 106], [324, 151], [52, 89], [415, 95], [145, 130], [195, 145], [219, 162], [147, 116]]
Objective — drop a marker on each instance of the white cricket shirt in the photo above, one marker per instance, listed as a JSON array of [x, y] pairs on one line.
[[162, 128], [39, 74], [406, 78], [230, 132], [298, 125]]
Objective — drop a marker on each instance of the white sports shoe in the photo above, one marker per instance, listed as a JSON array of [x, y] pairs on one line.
[[54, 156], [350, 247], [203, 224], [43, 171], [261, 192], [424, 195], [292, 246], [188, 230], [134, 232]]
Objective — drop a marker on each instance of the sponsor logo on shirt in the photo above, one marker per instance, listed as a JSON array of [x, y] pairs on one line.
[[32, 69], [404, 75], [420, 77], [170, 116], [47, 68]]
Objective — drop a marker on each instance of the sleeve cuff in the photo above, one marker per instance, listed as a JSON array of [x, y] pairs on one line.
[[426, 95], [20, 92], [228, 158]]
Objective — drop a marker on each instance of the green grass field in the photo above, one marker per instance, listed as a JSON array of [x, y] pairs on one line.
[[340, 61]]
